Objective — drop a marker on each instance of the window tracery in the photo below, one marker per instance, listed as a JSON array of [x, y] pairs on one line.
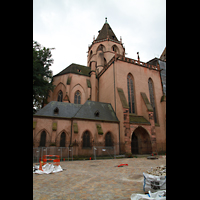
[[77, 97], [130, 94]]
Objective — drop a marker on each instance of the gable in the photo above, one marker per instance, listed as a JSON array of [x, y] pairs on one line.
[[75, 69]]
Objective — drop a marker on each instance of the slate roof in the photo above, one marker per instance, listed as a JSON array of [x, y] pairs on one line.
[[90, 110], [104, 110], [106, 31], [153, 61], [75, 69], [136, 119], [66, 110]]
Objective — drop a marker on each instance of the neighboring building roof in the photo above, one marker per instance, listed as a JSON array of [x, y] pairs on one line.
[[105, 32], [163, 55], [153, 61], [75, 69], [90, 110]]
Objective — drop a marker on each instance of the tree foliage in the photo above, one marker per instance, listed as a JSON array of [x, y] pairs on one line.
[[42, 75]]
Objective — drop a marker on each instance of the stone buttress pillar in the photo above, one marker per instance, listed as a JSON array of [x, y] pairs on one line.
[[93, 81]]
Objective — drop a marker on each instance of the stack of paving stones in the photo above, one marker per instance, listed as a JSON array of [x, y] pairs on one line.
[[158, 171]]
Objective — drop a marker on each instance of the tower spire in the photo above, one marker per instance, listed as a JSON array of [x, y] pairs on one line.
[[106, 32]]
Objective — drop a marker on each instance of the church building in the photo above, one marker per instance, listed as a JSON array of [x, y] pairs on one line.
[[113, 101]]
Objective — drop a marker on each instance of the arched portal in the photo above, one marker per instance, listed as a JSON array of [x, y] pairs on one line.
[[140, 141]]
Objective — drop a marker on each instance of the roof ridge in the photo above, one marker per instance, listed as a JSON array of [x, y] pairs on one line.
[[78, 64]]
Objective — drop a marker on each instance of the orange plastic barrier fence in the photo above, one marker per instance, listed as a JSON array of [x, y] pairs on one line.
[[56, 161]]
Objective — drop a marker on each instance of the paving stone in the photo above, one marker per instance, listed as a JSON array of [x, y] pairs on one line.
[[94, 179]]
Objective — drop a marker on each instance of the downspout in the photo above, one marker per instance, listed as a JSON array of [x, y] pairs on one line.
[[114, 84], [98, 90], [71, 132], [119, 140]]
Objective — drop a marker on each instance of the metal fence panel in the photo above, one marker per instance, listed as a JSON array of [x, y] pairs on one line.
[[65, 153], [104, 152], [96, 151]]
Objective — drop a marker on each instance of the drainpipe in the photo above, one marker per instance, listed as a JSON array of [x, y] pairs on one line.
[[114, 84], [71, 132], [98, 90], [119, 139]]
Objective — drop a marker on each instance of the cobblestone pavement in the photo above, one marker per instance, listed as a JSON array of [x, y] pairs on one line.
[[94, 179]]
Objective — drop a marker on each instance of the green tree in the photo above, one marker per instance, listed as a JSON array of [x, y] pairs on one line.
[[42, 75]]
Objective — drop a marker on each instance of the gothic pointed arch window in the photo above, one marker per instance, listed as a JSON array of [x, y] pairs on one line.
[[101, 47], [86, 139], [60, 96], [90, 54], [115, 49], [43, 139], [131, 100], [62, 139], [77, 97], [108, 139], [152, 98]]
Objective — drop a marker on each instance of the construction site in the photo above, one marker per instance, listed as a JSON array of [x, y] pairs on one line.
[[117, 178]]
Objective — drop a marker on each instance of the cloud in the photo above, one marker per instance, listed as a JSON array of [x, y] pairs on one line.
[[69, 26]]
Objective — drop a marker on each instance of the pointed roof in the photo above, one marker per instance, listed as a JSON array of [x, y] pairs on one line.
[[105, 32]]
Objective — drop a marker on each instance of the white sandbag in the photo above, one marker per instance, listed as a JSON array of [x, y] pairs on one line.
[[57, 169], [160, 195], [153, 183], [49, 168]]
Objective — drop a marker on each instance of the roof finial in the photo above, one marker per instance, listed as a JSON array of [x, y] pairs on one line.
[[106, 20], [138, 56]]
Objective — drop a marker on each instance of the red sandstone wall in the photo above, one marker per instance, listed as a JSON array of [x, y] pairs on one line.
[[141, 76], [64, 125], [78, 82]]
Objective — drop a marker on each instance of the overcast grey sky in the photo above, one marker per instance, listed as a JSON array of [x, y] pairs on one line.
[[69, 27]]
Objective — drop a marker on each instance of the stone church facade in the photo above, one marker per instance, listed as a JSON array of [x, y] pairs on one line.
[[113, 101]]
